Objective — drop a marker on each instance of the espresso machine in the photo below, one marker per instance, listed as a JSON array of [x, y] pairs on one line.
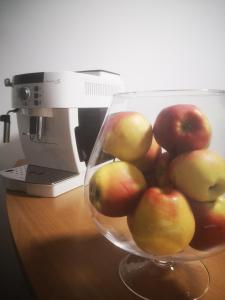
[[59, 115]]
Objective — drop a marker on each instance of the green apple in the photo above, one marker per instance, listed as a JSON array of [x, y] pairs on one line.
[[115, 188], [128, 135], [162, 223], [199, 174]]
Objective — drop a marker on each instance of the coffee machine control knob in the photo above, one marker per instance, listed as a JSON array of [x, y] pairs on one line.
[[25, 93]]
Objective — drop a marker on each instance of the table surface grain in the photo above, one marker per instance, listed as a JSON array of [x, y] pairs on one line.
[[66, 258]]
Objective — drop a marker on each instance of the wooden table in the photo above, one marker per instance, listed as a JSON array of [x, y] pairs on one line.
[[66, 258]]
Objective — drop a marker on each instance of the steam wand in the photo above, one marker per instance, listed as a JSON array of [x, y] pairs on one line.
[[6, 128]]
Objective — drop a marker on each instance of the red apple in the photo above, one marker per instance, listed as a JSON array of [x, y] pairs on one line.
[[128, 135], [210, 223], [162, 223], [115, 188], [182, 127], [146, 163], [161, 170]]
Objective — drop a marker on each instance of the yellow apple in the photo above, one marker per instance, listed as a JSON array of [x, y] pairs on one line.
[[199, 174], [162, 223], [115, 188], [128, 135]]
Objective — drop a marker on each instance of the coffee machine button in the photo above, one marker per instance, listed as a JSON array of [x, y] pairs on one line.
[[25, 93]]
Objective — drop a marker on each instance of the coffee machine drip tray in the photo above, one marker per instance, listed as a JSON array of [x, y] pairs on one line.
[[37, 175]]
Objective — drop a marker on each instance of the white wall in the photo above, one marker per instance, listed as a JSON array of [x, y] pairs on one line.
[[153, 44]]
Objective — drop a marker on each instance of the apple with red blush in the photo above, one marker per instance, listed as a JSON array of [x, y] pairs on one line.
[[162, 222], [210, 223], [128, 135], [147, 162], [115, 188]]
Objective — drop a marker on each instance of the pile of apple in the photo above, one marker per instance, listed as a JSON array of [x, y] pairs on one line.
[[165, 180]]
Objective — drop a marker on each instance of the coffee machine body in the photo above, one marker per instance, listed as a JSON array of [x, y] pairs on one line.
[[59, 115]]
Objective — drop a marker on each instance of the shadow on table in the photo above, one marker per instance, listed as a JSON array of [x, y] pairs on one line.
[[82, 268]]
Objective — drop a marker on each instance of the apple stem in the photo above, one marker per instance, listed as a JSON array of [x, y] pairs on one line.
[[187, 126]]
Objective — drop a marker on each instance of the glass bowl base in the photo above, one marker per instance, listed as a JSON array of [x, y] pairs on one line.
[[156, 280]]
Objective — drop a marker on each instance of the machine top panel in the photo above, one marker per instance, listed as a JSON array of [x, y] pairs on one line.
[[38, 77], [28, 78]]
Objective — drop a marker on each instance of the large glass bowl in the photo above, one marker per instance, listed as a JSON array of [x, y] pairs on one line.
[[179, 131]]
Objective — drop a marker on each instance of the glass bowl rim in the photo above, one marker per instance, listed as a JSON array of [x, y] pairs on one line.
[[170, 92]]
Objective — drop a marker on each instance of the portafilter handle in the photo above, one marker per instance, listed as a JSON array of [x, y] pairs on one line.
[[6, 127], [6, 118]]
